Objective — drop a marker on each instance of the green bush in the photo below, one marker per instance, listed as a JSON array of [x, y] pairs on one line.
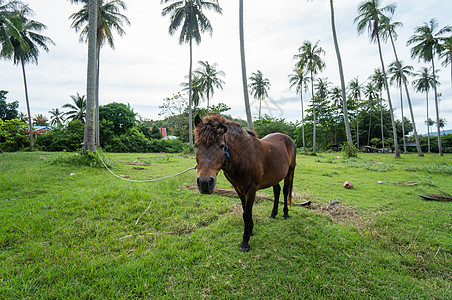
[[132, 141], [168, 146], [13, 136], [63, 138]]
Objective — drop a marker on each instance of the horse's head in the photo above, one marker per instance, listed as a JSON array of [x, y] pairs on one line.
[[211, 152]]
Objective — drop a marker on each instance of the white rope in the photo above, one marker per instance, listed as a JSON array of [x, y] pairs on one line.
[[150, 180]]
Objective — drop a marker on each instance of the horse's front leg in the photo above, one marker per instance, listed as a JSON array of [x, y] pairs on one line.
[[247, 220]]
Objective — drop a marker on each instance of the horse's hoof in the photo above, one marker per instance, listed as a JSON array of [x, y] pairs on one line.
[[272, 216], [244, 250], [286, 217]]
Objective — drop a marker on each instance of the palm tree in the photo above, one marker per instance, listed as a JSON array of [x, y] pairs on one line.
[[208, 77], [369, 16], [249, 119], [40, 120], [22, 44], [259, 87], [446, 54], [426, 43], [109, 18], [336, 104], [56, 117], [300, 81], [188, 16], [8, 11], [378, 79], [398, 75], [371, 94], [78, 109], [196, 89], [423, 83], [354, 88], [309, 59], [341, 75], [389, 31]]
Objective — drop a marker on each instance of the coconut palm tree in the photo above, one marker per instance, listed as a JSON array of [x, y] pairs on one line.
[[336, 104], [398, 75], [109, 19], [377, 78], [22, 44], [56, 117], [371, 95], [369, 16], [77, 108], [209, 79], [8, 11], [259, 87], [300, 81], [309, 59], [426, 43], [423, 83], [189, 16], [446, 55], [355, 88], [249, 119], [388, 31], [40, 120], [196, 90]]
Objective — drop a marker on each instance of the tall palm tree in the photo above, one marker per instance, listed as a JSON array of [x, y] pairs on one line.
[[77, 109], [423, 83], [249, 119], [196, 89], [109, 19], [378, 79], [189, 16], [446, 54], [209, 79], [426, 43], [259, 87], [22, 44], [369, 16], [336, 104], [398, 75], [309, 59], [388, 31], [371, 95], [355, 88], [341, 75], [56, 117], [8, 11], [300, 81]]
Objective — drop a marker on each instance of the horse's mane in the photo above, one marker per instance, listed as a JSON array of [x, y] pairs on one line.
[[214, 126]]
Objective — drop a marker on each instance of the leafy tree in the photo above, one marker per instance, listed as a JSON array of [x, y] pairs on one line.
[[259, 88], [369, 16], [426, 43], [219, 109], [188, 16], [389, 31], [78, 109], [243, 64], [309, 59], [423, 83], [21, 45], [56, 117], [209, 79], [267, 125], [8, 111], [121, 115], [13, 135], [144, 126]]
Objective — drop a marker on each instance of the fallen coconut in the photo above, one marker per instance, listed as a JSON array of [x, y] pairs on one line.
[[348, 185]]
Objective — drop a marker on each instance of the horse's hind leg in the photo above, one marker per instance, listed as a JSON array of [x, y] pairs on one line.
[[287, 191], [276, 193]]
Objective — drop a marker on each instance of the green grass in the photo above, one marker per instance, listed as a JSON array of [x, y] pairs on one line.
[[68, 231]]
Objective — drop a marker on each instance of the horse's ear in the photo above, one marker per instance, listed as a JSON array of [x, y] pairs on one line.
[[225, 129], [197, 120]]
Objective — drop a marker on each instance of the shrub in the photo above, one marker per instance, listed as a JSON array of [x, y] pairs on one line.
[[68, 138], [13, 136]]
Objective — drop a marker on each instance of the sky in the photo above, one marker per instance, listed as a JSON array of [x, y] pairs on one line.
[[148, 65]]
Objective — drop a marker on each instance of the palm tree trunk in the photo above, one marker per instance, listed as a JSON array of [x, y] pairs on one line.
[[190, 84], [416, 137], [428, 124], [313, 114], [370, 126], [30, 126], [440, 149], [357, 125], [403, 121], [302, 119], [244, 79], [394, 129], [89, 136], [96, 112], [341, 75]]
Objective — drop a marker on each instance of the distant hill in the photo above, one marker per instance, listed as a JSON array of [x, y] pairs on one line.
[[434, 133]]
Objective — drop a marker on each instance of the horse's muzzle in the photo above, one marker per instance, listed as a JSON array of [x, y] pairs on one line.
[[206, 184]]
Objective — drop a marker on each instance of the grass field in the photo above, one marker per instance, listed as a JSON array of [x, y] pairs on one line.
[[70, 231]]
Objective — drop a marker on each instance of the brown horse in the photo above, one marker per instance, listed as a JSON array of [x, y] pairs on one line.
[[249, 163]]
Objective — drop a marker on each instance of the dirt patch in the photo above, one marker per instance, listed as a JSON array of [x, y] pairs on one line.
[[338, 213], [136, 163]]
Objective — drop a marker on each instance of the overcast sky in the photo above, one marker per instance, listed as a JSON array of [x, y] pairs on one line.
[[148, 64]]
